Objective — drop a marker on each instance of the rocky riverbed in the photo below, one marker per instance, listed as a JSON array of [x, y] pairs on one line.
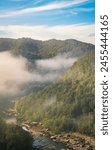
[[43, 137], [73, 141]]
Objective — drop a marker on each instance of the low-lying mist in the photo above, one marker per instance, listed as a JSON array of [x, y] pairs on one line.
[[60, 62], [14, 73]]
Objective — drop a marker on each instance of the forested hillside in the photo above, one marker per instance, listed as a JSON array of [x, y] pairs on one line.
[[66, 105]]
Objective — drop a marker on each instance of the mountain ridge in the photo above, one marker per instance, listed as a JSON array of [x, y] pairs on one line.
[[36, 49]]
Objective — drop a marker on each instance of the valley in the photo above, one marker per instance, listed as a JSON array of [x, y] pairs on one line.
[[53, 83]]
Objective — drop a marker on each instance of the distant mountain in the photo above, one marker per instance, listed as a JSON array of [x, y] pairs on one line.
[[6, 44], [68, 104], [34, 49]]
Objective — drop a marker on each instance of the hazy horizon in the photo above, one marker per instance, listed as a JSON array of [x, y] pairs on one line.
[[46, 40]]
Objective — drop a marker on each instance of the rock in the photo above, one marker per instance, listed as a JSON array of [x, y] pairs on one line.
[[82, 142], [34, 123], [90, 147], [65, 137], [68, 135], [40, 123], [66, 141], [53, 137], [46, 130]]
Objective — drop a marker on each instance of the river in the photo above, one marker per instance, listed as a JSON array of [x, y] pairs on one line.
[[48, 143]]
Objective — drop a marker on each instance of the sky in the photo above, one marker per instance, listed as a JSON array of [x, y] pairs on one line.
[[47, 19]]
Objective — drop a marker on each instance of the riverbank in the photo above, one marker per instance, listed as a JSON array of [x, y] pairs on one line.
[[73, 141]]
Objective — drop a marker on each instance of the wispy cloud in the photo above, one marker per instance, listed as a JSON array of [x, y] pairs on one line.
[[83, 9], [35, 2], [80, 32], [48, 7]]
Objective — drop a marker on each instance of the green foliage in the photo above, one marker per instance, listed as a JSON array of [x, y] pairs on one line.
[[64, 104], [13, 137], [85, 124], [53, 47], [27, 48]]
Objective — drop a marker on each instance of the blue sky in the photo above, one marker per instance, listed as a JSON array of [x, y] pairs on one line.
[[46, 15]]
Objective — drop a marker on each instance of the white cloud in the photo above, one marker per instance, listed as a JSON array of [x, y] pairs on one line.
[[56, 63], [51, 6], [80, 32]]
